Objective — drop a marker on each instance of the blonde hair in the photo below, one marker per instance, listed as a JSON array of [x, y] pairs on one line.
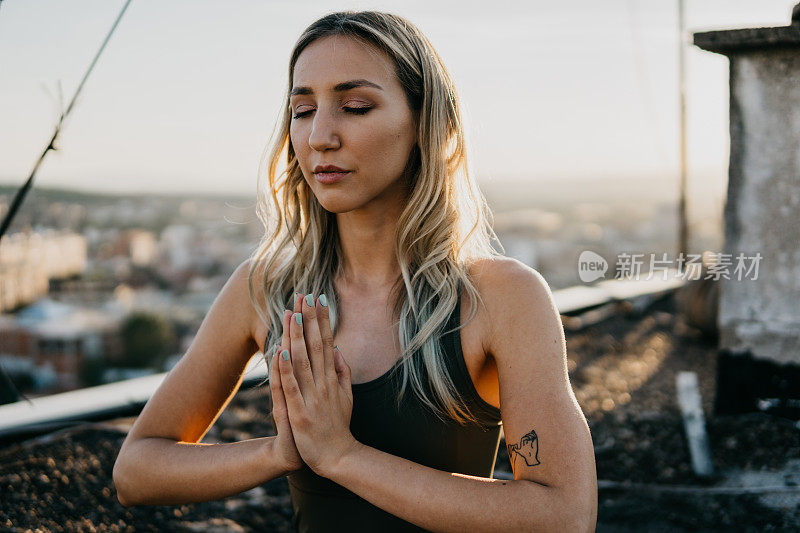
[[444, 225]]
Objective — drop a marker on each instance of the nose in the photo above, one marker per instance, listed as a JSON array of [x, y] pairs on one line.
[[324, 135]]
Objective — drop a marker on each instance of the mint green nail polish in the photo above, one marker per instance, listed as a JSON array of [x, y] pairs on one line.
[[310, 300], [298, 318], [285, 355], [323, 300]]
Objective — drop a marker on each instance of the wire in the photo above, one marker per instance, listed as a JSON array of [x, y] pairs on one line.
[[19, 197], [23, 191]]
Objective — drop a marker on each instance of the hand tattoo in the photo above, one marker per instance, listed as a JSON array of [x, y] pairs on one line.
[[527, 448]]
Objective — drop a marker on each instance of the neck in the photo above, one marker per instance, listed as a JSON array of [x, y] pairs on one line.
[[367, 238]]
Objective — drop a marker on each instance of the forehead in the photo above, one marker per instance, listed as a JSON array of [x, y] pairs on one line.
[[332, 59]]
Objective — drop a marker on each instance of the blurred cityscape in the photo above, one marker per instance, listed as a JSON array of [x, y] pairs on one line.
[[96, 288]]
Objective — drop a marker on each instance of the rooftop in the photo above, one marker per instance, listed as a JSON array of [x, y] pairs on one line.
[[622, 369]]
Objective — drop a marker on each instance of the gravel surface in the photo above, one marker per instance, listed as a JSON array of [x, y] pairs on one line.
[[622, 371]]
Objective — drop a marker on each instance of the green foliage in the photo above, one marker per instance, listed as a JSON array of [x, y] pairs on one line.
[[147, 340], [91, 371]]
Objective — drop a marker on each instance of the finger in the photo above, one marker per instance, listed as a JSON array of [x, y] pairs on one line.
[[285, 344], [270, 358], [342, 371], [300, 362], [297, 307], [313, 339], [289, 385], [323, 318], [298, 303], [279, 413]]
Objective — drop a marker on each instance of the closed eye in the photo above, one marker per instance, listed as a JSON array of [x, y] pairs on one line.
[[353, 110]]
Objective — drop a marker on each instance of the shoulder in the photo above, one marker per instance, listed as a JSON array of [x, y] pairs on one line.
[[493, 269], [515, 296], [506, 283], [241, 276]]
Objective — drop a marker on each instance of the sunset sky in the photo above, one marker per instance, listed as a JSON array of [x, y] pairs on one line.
[[187, 92]]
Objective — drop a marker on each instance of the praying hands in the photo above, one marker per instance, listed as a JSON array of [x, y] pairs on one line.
[[310, 387]]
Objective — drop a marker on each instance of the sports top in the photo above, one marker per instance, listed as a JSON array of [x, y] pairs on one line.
[[413, 432]]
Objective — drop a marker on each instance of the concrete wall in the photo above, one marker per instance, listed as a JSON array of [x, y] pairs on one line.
[[762, 212]]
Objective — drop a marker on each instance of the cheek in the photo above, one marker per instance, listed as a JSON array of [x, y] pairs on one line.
[[389, 146], [300, 147], [295, 138]]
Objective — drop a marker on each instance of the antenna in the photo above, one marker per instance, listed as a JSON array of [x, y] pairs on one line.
[[683, 226]]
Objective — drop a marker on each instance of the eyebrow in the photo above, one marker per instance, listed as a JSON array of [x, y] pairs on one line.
[[339, 87]]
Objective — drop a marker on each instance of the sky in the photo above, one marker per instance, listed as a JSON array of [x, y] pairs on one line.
[[186, 94]]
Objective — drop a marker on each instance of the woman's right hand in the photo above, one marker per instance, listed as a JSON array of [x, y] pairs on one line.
[[283, 446]]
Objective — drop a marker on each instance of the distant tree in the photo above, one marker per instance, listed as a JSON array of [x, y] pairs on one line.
[[143, 275], [147, 339], [91, 371]]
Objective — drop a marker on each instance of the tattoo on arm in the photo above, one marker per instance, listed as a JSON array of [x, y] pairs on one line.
[[527, 448]]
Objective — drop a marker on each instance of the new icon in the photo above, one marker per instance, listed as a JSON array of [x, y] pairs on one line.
[[591, 266]]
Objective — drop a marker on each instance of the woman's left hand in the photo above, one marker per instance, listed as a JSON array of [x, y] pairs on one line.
[[316, 383]]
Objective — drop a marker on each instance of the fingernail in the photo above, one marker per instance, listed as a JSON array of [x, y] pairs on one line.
[[298, 318], [323, 300], [310, 300], [285, 355]]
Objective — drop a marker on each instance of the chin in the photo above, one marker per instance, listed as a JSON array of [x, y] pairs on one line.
[[337, 205]]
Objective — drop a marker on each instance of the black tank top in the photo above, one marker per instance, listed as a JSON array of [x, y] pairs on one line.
[[320, 505]]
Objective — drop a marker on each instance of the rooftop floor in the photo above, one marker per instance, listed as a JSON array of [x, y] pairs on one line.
[[623, 373]]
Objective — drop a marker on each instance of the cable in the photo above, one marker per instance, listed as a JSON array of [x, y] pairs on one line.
[[23, 191]]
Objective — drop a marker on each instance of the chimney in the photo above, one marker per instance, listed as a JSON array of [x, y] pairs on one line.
[[759, 318]]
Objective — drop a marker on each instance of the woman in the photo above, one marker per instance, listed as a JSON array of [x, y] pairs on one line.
[[376, 214]]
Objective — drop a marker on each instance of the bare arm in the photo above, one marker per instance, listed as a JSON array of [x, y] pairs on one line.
[[443, 501], [161, 460], [161, 471]]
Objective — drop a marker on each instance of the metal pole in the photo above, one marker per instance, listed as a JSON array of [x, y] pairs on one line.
[[683, 226]]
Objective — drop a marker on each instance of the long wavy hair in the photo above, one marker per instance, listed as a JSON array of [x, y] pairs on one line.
[[444, 226]]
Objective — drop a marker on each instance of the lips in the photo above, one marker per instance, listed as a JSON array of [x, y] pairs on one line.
[[328, 174], [330, 177], [328, 168]]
